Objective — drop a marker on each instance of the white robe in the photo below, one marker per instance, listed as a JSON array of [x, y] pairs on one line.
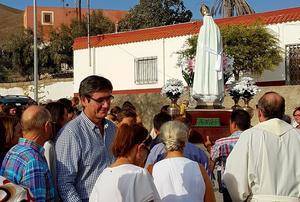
[[265, 164], [208, 84]]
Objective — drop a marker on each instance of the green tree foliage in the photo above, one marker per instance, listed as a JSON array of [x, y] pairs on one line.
[[19, 49], [153, 13], [60, 47], [16, 53], [253, 48], [61, 40]]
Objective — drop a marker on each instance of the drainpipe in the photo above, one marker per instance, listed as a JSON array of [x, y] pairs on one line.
[[164, 62]]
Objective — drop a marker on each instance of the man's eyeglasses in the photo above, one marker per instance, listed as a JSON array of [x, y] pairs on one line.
[[102, 100]]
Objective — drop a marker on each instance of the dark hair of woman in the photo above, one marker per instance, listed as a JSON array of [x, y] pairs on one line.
[[57, 111]]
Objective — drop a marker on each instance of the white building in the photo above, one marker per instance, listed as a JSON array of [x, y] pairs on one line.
[[142, 60]]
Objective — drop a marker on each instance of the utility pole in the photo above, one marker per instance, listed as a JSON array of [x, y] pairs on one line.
[[35, 72]]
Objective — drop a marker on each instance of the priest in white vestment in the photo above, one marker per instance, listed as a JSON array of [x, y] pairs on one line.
[[264, 164]]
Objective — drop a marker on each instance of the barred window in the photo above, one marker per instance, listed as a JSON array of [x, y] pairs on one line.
[[145, 70], [47, 18]]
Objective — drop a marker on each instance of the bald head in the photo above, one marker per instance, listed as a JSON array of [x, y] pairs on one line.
[[272, 105], [34, 118]]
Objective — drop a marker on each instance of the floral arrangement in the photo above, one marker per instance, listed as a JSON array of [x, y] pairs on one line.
[[172, 89], [187, 70], [245, 88]]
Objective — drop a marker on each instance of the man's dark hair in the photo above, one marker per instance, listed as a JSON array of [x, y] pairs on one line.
[[296, 109], [160, 118], [272, 105], [241, 118], [92, 84]]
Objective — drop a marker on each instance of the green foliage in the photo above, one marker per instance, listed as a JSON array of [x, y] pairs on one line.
[[60, 47], [153, 13], [253, 48], [19, 49], [17, 57], [100, 24]]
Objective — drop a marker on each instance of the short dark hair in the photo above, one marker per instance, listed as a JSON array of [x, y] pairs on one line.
[[126, 113], [272, 105], [128, 105], [296, 109], [126, 137], [160, 118], [241, 118], [92, 84]]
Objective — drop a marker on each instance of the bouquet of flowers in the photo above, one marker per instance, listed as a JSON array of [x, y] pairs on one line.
[[187, 71], [245, 88], [172, 89]]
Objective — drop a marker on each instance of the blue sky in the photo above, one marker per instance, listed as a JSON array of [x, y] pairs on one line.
[[193, 5]]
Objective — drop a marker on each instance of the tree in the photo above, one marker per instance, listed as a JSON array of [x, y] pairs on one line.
[[19, 47], [228, 8], [61, 40], [153, 13], [253, 48]]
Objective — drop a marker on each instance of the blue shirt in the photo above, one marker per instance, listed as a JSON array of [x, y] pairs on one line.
[[82, 154], [190, 151], [26, 165]]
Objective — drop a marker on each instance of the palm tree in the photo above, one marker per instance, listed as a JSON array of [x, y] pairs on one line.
[[228, 8]]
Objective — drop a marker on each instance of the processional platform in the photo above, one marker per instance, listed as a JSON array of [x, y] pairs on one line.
[[210, 122]]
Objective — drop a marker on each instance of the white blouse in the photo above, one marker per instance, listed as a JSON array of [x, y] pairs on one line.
[[178, 179]]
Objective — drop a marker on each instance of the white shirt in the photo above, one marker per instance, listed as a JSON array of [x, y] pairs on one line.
[[264, 163], [178, 179], [124, 183]]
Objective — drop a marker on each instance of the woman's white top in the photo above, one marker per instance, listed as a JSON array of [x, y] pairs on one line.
[[178, 179], [124, 183]]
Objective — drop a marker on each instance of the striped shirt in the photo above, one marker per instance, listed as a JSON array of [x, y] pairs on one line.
[[26, 165], [224, 146], [82, 154]]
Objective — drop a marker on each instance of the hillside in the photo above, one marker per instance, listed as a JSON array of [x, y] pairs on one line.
[[11, 19]]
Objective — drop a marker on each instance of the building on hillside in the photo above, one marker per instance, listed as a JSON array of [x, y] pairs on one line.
[[142, 60], [49, 18]]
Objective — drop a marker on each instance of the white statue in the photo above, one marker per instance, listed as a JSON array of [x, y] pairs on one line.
[[208, 85]]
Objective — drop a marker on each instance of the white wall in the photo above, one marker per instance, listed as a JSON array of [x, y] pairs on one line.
[[117, 62], [287, 33]]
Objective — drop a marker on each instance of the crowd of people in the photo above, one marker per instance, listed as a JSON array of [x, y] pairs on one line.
[[84, 150]]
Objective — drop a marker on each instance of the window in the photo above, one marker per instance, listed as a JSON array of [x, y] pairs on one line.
[[47, 18], [145, 70]]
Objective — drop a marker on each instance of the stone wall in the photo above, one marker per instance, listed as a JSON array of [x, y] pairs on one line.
[[148, 104]]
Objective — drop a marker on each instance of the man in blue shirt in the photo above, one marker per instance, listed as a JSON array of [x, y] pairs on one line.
[[25, 164], [83, 145]]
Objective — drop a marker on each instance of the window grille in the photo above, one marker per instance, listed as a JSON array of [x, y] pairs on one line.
[[145, 70], [292, 63]]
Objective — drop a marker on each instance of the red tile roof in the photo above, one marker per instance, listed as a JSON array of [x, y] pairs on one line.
[[190, 28]]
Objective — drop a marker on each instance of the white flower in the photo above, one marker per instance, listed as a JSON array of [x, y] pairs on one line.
[[245, 88], [173, 88]]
